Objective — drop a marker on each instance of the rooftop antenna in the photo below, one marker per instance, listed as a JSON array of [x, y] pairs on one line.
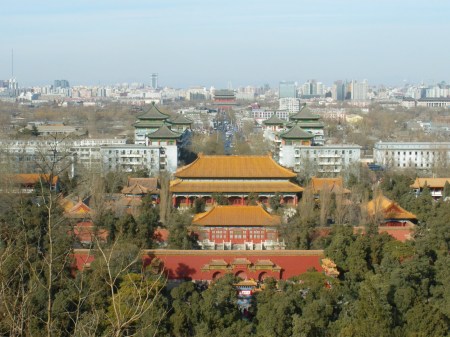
[[12, 63]]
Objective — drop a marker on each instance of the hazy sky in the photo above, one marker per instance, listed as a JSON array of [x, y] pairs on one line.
[[208, 42]]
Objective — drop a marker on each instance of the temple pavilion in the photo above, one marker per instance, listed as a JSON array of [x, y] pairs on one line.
[[154, 124], [310, 123], [244, 228], [234, 178]]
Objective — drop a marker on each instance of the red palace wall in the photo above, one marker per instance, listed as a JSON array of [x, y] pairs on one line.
[[190, 264]]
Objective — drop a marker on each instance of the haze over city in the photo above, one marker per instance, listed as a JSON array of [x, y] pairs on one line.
[[214, 43]]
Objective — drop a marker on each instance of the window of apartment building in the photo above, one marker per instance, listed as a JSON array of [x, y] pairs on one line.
[[350, 152]]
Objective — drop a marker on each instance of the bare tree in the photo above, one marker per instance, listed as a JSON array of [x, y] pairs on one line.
[[132, 293]]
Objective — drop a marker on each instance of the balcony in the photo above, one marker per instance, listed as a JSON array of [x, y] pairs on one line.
[[330, 163], [331, 155]]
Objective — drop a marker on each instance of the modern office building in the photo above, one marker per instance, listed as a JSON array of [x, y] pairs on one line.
[[61, 84], [338, 91], [154, 79], [287, 89], [360, 90]]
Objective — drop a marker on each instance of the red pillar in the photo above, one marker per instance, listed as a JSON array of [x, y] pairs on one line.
[[242, 201], [174, 201], [187, 201], [295, 201]]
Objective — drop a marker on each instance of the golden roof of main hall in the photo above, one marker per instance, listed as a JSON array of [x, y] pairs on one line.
[[234, 167], [182, 186], [236, 216], [430, 182], [389, 209]]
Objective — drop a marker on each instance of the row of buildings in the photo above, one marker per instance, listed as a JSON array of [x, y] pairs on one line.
[[297, 142]]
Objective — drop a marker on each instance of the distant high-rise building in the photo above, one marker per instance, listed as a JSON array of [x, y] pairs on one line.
[[313, 88], [287, 89], [61, 84], [360, 90], [338, 91], [154, 84]]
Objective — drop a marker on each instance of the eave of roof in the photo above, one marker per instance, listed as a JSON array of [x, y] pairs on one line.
[[274, 120], [236, 216], [252, 167], [296, 132], [153, 113], [164, 133], [180, 119], [180, 186], [430, 182]]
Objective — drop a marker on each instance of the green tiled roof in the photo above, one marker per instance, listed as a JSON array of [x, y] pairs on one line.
[[274, 120], [304, 115], [296, 132], [148, 124], [153, 113], [304, 125], [164, 133], [180, 119]]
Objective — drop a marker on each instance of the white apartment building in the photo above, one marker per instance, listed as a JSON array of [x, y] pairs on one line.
[[327, 160], [260, 115], [290, 104], [26, 156], [135, 157], [417, 155]]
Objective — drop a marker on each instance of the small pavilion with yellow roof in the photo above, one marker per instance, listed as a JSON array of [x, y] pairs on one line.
[[333, 185], [234, 177], [436, 186], [392, 214]]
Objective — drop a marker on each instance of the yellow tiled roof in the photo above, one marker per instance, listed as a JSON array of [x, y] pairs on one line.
[[150, 183], [430, 182], [390, 209], [181, 186], [234, 167], [32, 178], [135, 189], [236, 216], [333, 184]]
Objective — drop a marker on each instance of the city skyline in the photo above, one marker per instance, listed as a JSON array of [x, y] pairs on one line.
[[199, 42]]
